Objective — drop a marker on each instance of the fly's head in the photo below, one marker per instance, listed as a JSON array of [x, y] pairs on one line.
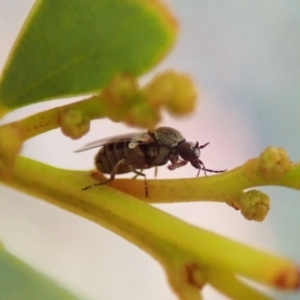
[[189, 151]]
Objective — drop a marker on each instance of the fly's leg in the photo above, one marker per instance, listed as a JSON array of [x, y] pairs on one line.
[[114, 172], [215, 171], [139, 173], [202, 167], [176, 163], [155, 172], [136, 175], [112, 175]]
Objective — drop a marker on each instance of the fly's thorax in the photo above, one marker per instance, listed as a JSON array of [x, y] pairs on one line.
[[163, 156], [167, 136]]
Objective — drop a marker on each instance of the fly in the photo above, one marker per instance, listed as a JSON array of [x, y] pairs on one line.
[[138, 151]]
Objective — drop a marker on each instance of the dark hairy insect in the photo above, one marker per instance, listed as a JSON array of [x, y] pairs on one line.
[[138, 151]]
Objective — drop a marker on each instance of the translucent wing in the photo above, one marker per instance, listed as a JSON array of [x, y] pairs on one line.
[[134, 139]]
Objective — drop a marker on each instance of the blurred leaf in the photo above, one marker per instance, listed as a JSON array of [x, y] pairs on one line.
[[20, 282], [75, 47]]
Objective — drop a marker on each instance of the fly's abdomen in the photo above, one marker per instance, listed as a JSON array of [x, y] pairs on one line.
[[110, 154]]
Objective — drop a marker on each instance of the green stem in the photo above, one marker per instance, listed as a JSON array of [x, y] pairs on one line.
[[44, 121], [226, 186], [224, 281], [161, 235]]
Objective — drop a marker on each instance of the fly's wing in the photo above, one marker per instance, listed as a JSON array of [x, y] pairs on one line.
[[142, 138], [133, 138]]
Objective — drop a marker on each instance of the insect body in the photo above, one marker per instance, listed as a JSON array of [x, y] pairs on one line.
[[138, 151]]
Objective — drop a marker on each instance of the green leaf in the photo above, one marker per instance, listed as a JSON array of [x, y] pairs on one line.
[[20, 282], [68, 48]]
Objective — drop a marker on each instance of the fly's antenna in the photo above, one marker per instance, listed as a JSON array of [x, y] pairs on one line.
[[202, 146], [201, 164]]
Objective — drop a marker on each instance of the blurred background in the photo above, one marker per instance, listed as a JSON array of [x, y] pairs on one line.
[[244, 57]]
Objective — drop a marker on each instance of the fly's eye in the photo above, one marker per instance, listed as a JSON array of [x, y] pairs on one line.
[[196, 152], [188, 151]]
